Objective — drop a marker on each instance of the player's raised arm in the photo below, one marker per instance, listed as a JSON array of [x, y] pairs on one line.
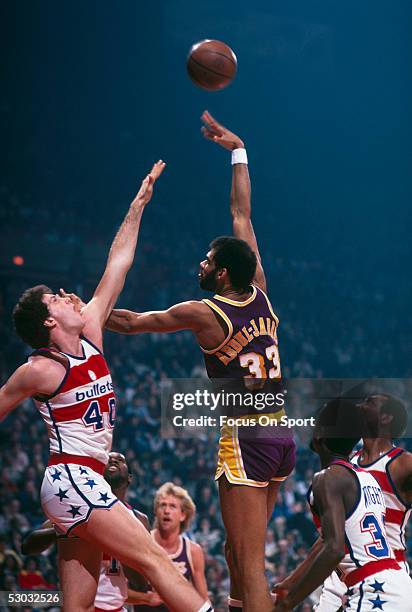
[[120, 258], [240, 196]]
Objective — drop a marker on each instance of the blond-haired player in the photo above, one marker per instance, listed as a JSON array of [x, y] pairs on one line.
[[174, 511]]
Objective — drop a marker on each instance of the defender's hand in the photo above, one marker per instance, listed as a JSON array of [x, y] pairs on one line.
[[213, 130], [146, 189], [78, 302]]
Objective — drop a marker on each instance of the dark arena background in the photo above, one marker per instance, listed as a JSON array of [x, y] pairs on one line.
[[91, 95]]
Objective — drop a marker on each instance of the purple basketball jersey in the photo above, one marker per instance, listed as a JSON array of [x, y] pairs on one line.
[[250, 348]]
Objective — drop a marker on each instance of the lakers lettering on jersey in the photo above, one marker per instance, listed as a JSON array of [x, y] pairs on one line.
[[250, 348], [249, 352], [80, 415]]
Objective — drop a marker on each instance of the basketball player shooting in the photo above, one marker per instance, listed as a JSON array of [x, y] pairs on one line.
[[237, 332], [70, 382]]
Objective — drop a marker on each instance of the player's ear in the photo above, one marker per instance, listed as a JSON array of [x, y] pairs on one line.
[[386, 419], [222, 273], [49, 322]]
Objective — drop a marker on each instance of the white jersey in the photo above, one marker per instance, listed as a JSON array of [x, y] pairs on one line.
[[365, 535], [80, 414], [112, 587], [398, 512]]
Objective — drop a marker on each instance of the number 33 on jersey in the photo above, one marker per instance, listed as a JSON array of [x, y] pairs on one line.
[[250, 349]]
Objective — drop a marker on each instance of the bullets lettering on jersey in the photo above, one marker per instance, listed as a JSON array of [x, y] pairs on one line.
[[95, 391]]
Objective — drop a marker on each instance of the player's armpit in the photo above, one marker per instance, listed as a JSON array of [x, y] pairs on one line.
[[186, 315]]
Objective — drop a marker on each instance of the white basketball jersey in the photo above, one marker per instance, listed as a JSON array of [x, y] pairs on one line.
[[397, 511], [80, 414], [365, 535]]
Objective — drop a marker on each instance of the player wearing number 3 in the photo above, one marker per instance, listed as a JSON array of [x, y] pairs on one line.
[[69, 380], [237, 332], [349, 510]]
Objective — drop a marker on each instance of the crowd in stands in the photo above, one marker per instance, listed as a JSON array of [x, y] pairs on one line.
[[331, 325]]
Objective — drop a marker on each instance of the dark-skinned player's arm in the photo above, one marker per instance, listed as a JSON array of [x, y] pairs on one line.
[[38, 540], [240, 195], [401, 473], [328, 492], [186, 315], [301, 569], [119, 261]]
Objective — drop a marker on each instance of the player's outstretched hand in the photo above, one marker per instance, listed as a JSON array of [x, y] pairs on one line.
[[145, 192], [154, 599], [77, 302], [212, 130]]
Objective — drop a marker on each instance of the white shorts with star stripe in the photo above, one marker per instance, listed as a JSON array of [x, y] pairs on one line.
[[389, 590], [70, 492]]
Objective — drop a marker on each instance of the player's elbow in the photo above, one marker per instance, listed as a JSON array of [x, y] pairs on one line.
[[334, 552]]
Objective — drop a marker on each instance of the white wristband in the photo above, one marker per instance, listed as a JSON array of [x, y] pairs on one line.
[[239, 156]]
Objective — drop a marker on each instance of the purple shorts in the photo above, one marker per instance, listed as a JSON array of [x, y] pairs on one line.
[[252, 460]]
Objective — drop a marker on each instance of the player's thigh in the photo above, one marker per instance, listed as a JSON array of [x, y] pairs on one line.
[[272, 493], [244, 512], [79, 568], [122, 536]]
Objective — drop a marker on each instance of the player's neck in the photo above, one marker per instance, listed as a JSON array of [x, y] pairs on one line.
[[233, 294], [66, 342], [168, 540], [373, 448], [120, 493]]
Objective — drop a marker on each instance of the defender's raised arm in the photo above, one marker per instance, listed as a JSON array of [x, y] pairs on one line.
[[240, 196], [121, 256]]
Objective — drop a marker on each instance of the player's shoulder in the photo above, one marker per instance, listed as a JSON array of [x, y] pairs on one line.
[[334, 478], [196, 551], [142, 517], [403, 459], [38, 375], [194, 310]]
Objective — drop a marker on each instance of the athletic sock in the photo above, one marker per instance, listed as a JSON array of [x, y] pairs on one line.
[[234, 605], [206, 607]]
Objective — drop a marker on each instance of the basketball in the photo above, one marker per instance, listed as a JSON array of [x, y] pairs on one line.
[[211, 64]]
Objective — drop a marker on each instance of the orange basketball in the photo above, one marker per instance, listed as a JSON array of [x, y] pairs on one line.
[[211, 64]]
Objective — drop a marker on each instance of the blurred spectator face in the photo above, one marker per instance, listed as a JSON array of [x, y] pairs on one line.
[[169, 514], [283, 546]]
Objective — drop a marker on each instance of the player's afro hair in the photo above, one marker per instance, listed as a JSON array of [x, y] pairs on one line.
[[339, 425], [237, 257], [397, 409]]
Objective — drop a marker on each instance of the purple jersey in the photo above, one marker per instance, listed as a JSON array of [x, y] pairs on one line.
[[250, 349]]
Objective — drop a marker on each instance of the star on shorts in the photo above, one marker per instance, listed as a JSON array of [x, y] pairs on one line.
[[74, 511]]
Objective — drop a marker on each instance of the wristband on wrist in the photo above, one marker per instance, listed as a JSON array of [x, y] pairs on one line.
[[239, 156]]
